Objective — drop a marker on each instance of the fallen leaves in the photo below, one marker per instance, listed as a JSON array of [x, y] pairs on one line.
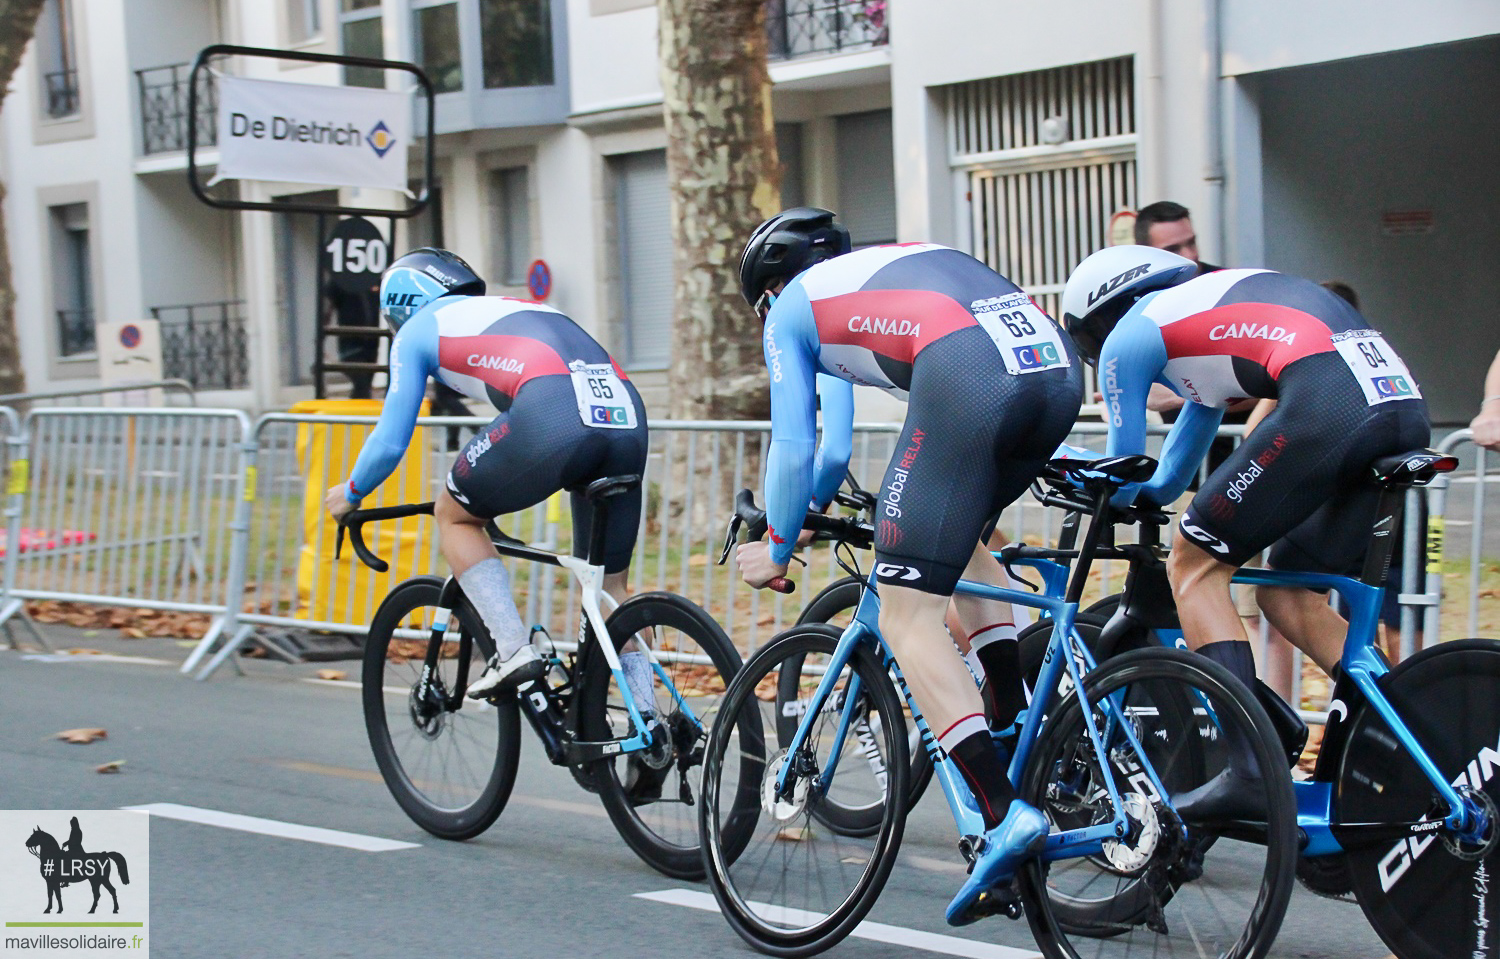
[[133, 623], [82, 736], [113, 766], [331, 674]]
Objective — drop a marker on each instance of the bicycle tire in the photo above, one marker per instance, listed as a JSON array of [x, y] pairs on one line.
[[773, 908], [1423, 900], [664, 831], [445, 810], [839, 597], [1158, 888]]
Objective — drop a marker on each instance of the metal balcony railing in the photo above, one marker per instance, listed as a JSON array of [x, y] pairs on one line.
[[62, 93], [205, 344], [75, 331], [799, 28], [164, 108]]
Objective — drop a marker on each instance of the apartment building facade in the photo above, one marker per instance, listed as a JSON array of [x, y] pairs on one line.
[[1333, 142]]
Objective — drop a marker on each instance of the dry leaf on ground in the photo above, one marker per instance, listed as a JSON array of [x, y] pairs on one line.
[[82, 735], [113, 766], [331, 674]]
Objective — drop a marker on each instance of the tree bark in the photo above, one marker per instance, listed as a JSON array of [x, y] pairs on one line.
[[724, 180], [17, 24]]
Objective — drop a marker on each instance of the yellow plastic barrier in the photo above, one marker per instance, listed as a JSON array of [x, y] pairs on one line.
[[345, 590]]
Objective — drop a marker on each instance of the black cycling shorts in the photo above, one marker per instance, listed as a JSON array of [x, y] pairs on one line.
[[974, 439], [541, 445], [1300, 479]]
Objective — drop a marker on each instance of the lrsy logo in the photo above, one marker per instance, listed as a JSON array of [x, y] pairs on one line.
[[1392, 386], [1037, 356], [609, 415], [66, 864], [380, 139]]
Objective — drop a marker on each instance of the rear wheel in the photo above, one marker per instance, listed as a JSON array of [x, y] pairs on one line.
[[1164, 889], [1427, 896], [449, 762], [651, 794], [789, 884]]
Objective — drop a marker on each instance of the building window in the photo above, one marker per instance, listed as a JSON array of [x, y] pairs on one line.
[[72, 279], [789, 152], [643, 257], [361, 29], [517, 39], [867, 177], [435, 45], [58, 59], [510, 211], [303, 21]]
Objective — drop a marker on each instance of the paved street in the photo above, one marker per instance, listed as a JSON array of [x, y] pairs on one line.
[[551, 879]]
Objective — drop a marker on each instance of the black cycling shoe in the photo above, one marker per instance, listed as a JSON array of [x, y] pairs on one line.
[[1229, 795]]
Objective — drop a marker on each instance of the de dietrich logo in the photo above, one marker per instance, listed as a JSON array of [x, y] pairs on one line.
[[68, 863], [380, 139]]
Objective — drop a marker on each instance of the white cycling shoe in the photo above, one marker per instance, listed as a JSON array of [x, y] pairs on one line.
[[524, 666]]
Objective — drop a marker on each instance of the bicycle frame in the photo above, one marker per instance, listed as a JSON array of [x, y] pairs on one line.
[[1066, 651]]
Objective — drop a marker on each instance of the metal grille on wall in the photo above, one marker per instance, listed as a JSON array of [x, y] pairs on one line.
[[1042, 161]]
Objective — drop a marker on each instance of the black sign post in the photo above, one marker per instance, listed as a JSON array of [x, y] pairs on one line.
[[355, 252]]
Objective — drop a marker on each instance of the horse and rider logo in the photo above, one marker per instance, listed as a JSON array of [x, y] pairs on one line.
[[66, 864]]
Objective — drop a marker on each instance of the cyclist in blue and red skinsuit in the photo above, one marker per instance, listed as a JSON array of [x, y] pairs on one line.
[[568, 416], [992, 388], [1345, 399]]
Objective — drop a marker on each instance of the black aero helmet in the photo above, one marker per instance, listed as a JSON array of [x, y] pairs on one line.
[[420, 277], [785, 245]]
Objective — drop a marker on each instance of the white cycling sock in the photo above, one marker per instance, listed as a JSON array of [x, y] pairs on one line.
[[487, 584], [640, 677]]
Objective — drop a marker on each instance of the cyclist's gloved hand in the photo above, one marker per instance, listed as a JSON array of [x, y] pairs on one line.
[[1069, 452]]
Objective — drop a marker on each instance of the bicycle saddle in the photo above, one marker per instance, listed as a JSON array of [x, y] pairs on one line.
[[1122, 470], [611, 486], [1415, 468]]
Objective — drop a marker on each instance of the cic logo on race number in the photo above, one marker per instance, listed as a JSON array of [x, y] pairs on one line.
[[1392, 386], [608, 415], [1037, 356]]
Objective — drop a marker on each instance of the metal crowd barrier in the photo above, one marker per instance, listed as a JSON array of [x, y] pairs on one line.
[[172, 387], [1448, 517], [199, 510], [129, 507]]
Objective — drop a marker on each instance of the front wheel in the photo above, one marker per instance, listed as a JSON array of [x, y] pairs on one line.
[[788, 883], [1427, 895], [1166, 888], [650, 795], [449, 762]]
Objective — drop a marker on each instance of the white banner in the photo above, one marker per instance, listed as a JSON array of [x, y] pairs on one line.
[[304, 133]]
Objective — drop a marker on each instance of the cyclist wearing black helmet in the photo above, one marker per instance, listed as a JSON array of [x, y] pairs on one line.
[[568, 415], [992, 389], [1145, 315]]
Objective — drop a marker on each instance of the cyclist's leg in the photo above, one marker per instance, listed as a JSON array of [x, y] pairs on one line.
[[519, 460]]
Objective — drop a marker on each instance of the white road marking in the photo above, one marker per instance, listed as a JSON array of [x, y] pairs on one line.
[[93, 658], [272, 827], [874, 931]]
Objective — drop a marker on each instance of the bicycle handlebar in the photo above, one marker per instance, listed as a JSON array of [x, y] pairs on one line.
[[753, 519], [354, 521]]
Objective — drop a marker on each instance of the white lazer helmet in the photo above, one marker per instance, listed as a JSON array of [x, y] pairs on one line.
[[1107, 284]]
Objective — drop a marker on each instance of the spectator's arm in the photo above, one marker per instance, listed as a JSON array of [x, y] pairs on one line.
[[1486, 425]]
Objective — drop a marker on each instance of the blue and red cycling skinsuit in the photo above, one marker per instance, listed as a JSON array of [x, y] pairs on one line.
[[992, 387], [568, 414], [1345, 399]]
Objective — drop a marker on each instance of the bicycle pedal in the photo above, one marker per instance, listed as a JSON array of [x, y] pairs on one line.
[[1003, 900]]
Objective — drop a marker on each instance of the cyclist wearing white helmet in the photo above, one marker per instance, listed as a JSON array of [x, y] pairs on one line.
[[568, 416], [1144, 315]]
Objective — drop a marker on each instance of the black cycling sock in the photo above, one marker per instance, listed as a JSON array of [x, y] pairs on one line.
[[1235, 656], [1002, 671], [979, 763]]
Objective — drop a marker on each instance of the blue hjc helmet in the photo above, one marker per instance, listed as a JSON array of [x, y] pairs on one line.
[[420, 277]]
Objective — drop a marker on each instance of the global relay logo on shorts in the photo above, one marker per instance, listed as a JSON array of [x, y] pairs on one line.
[[74, 883]]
